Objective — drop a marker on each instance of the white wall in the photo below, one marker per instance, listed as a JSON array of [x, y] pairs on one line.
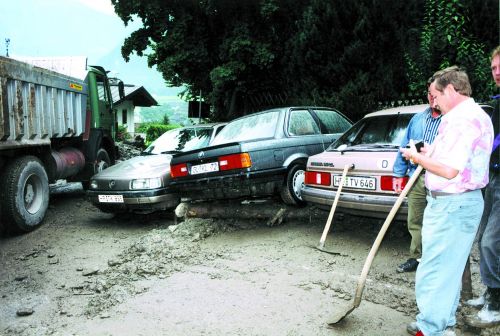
[[129, 107]]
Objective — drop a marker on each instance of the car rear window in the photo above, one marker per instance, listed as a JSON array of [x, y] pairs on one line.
[[332, 122], [386, 130], [257, 126]]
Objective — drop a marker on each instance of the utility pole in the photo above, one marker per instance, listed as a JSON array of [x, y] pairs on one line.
[[199, 105], [7, 42]]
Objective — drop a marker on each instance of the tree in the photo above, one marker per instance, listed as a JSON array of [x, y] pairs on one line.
[[246, 55], [447, 39]]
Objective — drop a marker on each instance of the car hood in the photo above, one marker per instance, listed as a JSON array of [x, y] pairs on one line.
[[138, 167]]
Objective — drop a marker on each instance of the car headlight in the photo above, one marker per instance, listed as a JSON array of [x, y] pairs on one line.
[[93, 184], [146, 183]]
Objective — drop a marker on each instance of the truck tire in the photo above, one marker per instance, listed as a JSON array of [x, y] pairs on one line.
[[102, 160], [290, 192], [24, 195]]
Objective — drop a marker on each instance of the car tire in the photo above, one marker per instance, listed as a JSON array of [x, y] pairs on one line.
[[290, 192], [24, 195]]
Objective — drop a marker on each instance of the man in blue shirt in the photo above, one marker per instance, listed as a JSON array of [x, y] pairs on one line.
[[422, 127]]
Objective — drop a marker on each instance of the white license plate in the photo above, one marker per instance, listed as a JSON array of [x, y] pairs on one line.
[[357, 182], [205, 168], [110, 198]]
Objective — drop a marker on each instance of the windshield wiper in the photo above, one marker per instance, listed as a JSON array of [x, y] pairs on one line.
[[360, 147], [174, 151]]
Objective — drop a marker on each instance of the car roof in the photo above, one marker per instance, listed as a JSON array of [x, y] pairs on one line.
[[399, 109]]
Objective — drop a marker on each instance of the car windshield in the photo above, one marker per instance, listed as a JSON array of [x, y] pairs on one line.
[[386, 131], [180, 139], [258, 126]]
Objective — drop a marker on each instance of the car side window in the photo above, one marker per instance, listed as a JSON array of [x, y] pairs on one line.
[[332, 122], [301, 122]]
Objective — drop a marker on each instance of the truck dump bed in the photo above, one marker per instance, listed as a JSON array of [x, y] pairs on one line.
[[37, 104]]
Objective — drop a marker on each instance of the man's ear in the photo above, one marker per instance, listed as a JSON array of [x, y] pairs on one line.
[[450, 89]]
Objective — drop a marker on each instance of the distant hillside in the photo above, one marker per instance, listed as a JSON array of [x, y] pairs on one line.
[[136, 72], [175, 108]]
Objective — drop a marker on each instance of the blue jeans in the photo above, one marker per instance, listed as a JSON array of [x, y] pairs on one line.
[[489, 234], [448, 232]]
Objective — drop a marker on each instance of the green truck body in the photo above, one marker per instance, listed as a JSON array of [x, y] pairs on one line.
[[52, 126]]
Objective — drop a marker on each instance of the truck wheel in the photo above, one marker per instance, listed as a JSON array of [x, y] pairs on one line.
[[102, 160], [24, 195], [290, 193]]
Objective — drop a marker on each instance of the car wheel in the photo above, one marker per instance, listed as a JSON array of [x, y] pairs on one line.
[[24, 195], [291, 191]]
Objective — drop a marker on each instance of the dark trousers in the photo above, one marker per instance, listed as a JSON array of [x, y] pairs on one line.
[[489, 234]]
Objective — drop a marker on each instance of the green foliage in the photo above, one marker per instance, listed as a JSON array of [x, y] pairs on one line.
[[165, 120], [153, 131], [122, 133], [446, 39], [248, 55]]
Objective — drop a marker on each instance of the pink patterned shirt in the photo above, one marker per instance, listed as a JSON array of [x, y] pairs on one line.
[[464, 142]]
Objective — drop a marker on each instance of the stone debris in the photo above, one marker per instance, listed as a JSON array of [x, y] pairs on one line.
[[90, 271], [24, 312]]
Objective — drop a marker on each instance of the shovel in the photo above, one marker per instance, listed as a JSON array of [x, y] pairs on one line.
[[332, 210], [348, 308]]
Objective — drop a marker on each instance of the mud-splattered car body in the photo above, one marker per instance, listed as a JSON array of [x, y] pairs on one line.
[[141, 184], [258, 155]]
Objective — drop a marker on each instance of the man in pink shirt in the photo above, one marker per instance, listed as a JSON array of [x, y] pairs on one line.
[[456, 171]]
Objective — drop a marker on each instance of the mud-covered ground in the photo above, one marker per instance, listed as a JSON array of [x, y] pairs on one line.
[[89, 273]]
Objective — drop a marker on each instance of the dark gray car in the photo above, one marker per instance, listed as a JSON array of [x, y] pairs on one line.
[[258, 155]]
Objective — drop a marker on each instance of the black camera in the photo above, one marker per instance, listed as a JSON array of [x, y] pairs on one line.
[[418, 145]]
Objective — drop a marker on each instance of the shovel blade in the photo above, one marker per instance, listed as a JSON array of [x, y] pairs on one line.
[[341, 312]]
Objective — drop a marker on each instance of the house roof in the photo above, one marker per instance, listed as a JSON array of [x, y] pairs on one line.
[[137, 94]]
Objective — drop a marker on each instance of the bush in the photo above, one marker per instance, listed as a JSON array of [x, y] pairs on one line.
[[155, 130], [122, 133]]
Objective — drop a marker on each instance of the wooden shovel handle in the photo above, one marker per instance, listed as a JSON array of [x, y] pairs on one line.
[[381, 234], [334, 205]]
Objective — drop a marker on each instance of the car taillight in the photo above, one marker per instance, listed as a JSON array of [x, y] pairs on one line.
[[318, 178], [386, 182], [235, 161], [178, 170]]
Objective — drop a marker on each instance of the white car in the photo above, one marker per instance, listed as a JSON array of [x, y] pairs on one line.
[[142, 184]]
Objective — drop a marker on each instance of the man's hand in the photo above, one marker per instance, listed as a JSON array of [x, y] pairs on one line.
[[397, 184]]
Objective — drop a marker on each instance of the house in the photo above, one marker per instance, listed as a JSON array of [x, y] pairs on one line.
[[124, 108]]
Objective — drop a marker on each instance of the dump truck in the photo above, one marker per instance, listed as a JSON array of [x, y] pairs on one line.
[[52, 126]]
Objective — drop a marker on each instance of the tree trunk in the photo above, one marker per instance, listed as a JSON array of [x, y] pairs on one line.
[[272, 211]]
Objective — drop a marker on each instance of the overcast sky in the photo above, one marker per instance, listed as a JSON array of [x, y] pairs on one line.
[[73, 28]]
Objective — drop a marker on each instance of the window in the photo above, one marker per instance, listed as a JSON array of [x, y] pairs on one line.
[[381, 130], [256, 126], [124, 117], [302, 123], [181, 139], [332, 122]]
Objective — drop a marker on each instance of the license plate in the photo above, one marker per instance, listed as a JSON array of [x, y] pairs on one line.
[[205, 168], [110, 198], [357, 182]]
